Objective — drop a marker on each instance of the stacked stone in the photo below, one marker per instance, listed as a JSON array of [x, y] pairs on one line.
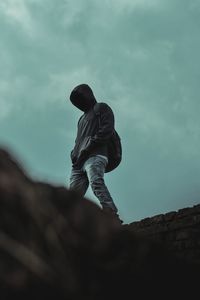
[[178, 230]]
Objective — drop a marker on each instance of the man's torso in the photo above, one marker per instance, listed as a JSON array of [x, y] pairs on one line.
[[88, 126]]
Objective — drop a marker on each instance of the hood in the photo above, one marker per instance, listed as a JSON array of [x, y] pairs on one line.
[[82, 97]]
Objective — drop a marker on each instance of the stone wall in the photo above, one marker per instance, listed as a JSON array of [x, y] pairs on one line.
[[178, 230]]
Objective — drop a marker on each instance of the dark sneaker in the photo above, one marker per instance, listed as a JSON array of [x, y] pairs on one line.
[[110, 212]]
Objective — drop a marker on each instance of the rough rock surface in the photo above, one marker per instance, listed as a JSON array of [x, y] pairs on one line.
[[55, 244]]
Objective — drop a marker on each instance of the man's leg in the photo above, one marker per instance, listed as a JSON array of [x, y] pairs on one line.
[[95, 169], [78, 181]]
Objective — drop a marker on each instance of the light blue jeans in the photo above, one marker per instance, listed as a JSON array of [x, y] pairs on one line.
[[92, 173]]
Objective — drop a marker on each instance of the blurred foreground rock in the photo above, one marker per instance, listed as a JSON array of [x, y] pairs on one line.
[[55, 244]]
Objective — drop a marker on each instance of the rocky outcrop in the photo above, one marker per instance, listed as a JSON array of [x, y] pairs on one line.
[[55, 244]]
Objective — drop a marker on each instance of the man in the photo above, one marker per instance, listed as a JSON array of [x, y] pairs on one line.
[[90, 154]]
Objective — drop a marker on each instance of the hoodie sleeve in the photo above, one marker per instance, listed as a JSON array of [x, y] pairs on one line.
[[106, 124]]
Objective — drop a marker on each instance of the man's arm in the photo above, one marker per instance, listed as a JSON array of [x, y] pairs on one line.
[[106, 124]]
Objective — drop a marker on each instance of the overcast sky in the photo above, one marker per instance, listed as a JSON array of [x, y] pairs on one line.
[[139, 56]]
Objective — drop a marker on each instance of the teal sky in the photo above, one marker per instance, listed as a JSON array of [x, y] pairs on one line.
[[139, 56]]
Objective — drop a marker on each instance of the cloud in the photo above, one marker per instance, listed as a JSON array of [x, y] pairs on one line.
[[4, 104], [132, 4], [71, 11], [171, 125], [12, 95], [89, 13], [17, 13]]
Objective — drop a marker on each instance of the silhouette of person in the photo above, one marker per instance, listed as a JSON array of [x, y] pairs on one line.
[[89, 156]]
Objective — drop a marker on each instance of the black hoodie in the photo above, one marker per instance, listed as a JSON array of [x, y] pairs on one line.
[[95, 127]]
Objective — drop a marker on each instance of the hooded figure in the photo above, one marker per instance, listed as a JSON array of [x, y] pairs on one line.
[[90, 153], [95, 126], [82, 97]]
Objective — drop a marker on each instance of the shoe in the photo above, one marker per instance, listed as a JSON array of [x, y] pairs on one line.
[[110, 212]]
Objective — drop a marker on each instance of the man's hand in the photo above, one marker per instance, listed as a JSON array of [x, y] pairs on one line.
[[83, 154], [73, 158]]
